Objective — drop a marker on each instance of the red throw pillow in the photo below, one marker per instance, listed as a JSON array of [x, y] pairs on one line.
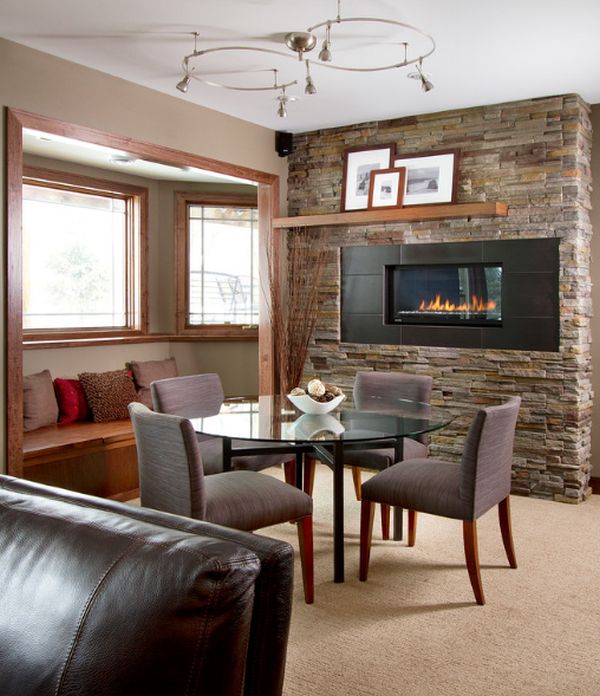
[[72, 404]]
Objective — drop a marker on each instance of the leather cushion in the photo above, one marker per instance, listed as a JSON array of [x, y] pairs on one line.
[[265, 664], [96, 603], [248, 500]]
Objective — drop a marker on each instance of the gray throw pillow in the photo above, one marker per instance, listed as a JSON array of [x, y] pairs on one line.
[[39, 401], [144, 373]]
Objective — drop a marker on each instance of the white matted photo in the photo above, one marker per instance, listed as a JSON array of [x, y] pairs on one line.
[[431, 177], [387, 188], [358, 165]]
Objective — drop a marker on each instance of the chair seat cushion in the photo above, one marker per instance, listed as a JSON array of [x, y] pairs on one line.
[[379, 459], [248, 500], [425, 485], [211, 449]]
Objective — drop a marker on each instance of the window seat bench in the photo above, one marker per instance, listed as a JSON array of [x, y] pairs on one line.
[[95, 458]]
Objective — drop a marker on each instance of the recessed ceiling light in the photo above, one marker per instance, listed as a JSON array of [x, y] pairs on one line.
[[122, 159]]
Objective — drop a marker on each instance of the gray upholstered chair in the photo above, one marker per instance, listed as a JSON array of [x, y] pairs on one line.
[[462, 491], [172, 480], [377, 391], [198, 396]]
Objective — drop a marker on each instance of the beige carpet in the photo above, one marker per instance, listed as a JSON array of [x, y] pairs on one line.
[[414, 628]]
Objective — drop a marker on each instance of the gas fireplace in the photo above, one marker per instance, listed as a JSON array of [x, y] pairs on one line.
[[446, 294], [488, 294]]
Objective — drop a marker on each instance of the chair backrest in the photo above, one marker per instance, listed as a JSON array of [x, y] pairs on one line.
[[194, 396], [487, 457], [388, 387], [169, 463]]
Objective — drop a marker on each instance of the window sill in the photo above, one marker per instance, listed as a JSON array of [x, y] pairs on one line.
[[147, 338]]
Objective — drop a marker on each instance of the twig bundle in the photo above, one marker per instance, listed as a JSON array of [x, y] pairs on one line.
[[294, 303]]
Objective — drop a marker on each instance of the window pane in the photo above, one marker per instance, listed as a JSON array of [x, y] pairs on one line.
[[74, 259], [223, 283]]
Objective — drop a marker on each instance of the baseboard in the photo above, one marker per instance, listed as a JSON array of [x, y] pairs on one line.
[[595, 484]]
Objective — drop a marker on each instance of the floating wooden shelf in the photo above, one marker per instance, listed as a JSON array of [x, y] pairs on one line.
[[415, 213]]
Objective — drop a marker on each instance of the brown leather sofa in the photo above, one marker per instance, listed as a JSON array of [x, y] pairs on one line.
[[98, 597]]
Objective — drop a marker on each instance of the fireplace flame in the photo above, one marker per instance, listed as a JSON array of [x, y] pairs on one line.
[[477, 304]]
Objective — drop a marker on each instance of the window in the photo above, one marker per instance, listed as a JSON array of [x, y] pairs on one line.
[[218, 289], [82, 256]]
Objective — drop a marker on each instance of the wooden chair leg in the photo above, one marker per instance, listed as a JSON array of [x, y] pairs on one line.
[[506, 529], [367, 512], [357, 480], [385, 522], [310, 465], [289, 472], [472, 558], [305, 543], [412, 527]]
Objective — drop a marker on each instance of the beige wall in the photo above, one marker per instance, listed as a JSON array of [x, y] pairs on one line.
[[69, 362], [596, 289], [46, 85]]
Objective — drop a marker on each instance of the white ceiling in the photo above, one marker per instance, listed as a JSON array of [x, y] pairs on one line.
[[488, 51]]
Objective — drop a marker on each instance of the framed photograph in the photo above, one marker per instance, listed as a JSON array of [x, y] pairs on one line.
[[358, 165], [431, 177], [386, 189]]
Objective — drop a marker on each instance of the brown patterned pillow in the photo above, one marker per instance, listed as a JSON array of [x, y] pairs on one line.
[[108, 394], [144, 373]]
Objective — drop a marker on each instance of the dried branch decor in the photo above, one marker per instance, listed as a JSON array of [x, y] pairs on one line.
[[294, 302]]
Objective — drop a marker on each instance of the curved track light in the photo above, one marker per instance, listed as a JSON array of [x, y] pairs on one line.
[[301, 42]]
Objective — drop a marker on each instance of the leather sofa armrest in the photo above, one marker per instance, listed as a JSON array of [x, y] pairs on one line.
[[271, 609]]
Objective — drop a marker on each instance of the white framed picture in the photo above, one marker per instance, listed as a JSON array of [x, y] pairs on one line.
[[387, 188], [431, 177], [358, 165]]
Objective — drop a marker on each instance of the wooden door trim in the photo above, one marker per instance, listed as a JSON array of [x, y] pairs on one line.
[[16, 120]]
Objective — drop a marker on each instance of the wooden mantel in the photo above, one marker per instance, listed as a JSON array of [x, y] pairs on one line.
[[415, 213]]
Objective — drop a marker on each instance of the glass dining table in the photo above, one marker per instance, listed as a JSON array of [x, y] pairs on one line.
[[273, 419]]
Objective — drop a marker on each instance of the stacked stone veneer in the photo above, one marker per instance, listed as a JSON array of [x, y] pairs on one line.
[[535, 156]]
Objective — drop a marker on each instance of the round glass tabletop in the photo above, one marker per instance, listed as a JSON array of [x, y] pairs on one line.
[[274, 418]]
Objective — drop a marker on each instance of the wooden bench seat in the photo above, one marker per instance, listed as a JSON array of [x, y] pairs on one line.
[[95, 458]]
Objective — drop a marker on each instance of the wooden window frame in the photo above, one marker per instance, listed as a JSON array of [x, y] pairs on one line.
[[241, 332], [269, 238], [136, 201]]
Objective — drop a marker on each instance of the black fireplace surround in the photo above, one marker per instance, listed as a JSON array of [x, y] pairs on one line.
[[496, 294]]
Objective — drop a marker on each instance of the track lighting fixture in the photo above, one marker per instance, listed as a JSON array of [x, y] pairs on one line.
[[310, 85], [426, 83], [302, 42]]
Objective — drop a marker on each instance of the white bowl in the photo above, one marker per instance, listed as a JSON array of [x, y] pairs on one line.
[[312, 426], [306, 404]]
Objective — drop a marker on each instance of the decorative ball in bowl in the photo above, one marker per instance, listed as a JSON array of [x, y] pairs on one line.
[[307, 404], [318, 398]]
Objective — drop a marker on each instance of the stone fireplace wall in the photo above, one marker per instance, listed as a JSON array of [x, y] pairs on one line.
[[534, 155]]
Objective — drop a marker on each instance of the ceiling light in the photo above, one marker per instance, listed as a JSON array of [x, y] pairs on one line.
[[310, 85], [183, 84], [124, 160], [426, 83], [301, 43], [325, 54]]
